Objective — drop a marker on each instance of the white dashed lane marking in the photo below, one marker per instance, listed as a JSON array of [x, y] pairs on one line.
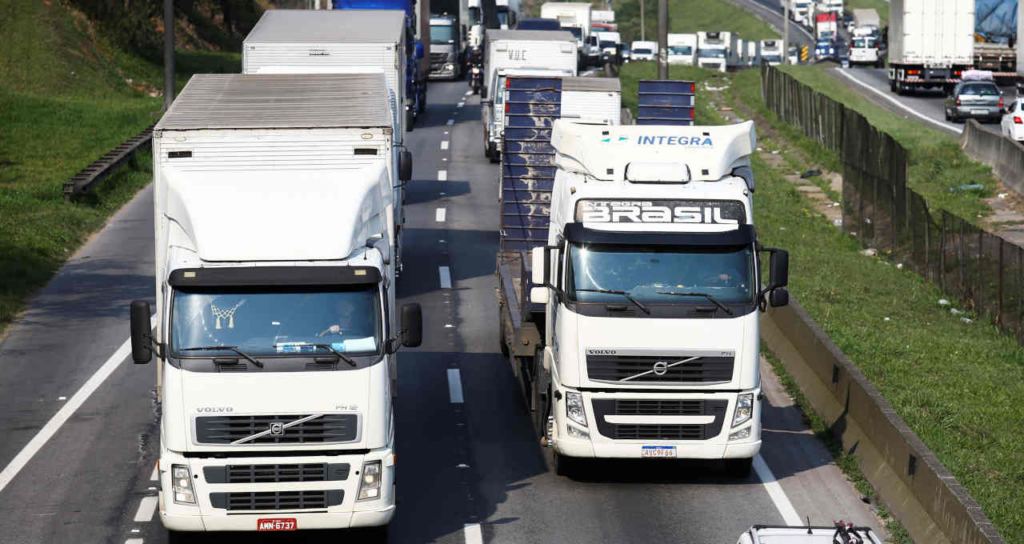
[[473, 533], [454, 386], [446, 277], [133, 541], [440, 215], [155, 475], [451, 122], [442, 175], [444, 144], [146, 509]]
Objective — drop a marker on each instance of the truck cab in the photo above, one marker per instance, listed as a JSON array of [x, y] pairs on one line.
[[445, 47], [715, 50], [651, 283], [771, 52], [682, 49]]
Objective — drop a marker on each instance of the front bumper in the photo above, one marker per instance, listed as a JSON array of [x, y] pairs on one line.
[[601, 446], [203, 516], [448, 71]]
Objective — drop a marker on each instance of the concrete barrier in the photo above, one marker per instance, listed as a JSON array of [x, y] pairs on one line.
[[1005, 156], [910, 480]]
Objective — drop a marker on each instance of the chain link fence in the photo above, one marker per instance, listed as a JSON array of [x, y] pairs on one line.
[[983, 271]]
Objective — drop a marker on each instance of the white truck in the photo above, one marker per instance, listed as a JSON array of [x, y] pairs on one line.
[[340, 42], [602, 16], [682, 49], [839, 533], [829, 6], [800, 11], [575, 17], [930, 44], [771, 52], [276, 328], [519, 52], [609, 43], [716, 50], [643, 51], [508, 14], [650, 288]]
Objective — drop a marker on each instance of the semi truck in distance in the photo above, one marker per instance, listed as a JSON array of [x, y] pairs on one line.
[[519, 52], [682, 49], [639, 337], [800, 11], [771, 52], [930, 44], [276, 325], [575, 17], [717, 50], [446, 47], [343, 41], [508, 14]]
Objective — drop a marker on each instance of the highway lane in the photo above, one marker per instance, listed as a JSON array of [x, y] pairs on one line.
[[769, 12], [468, 469]]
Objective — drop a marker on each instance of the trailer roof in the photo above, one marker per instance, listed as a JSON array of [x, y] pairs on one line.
[[328, 26], [531, 35], [236, 101], [606, 84]]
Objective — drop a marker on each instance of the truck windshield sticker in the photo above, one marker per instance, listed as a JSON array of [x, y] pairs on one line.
[[726, 212], [679, 141]]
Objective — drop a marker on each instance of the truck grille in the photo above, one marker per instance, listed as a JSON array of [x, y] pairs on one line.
[[278, 473], [615, 368], [438, 60], [659, 407], [325, 429], [278, 500]]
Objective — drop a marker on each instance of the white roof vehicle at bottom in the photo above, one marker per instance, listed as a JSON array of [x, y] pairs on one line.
[[840, 533]]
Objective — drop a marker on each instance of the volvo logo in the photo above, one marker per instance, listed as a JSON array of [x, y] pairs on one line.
[[660, 368], [277, 429], [214, 409]]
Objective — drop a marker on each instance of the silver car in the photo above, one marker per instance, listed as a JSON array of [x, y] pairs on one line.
[[980, 100]]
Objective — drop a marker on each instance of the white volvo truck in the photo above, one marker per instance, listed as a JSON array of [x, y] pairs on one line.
[[651, 286], [275, 305]]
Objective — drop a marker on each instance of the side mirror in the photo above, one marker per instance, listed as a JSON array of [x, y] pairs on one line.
[[483, 92], [779, 268], [405, 165], [418, 52], [539, 295], [539, 263], [141, 333], [412, 325], [778, 298]]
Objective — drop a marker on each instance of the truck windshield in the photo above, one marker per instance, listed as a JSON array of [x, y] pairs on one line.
[[680, 50], [772, 58], [608, 44], [474, 16], [725, 272], [711, 53], [502, 17], [442, 34], [863, 43], [577, 32], [642, 51], [346, 317]]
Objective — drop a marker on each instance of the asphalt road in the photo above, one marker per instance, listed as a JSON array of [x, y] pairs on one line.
[[470, 472]]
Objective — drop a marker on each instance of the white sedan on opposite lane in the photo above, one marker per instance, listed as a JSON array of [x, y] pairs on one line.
[[1013, 120]]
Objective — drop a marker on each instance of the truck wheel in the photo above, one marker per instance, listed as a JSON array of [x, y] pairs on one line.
[[540, 397], [495, 155], [410, 119], [421, 108], [501, 335], [739, 468]]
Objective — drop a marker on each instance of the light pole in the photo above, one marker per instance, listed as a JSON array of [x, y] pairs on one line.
[[785, 32], [643, 38], [662, 39]]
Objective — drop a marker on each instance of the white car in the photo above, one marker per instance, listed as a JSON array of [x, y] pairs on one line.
[[1013, 120], [643, 51]]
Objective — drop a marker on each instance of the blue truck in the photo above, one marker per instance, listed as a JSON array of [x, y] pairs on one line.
[[417, 34]]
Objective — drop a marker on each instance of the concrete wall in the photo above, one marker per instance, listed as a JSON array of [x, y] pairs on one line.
[[1005, 156], [910, 480]]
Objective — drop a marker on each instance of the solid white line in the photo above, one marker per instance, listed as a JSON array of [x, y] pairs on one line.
[[440, 215], [454, 386], [775, 491], [444, 144], [469, 93], [442, 175], [147, 507], [446, 277], [77, 400], [451, 122], [155, 476], [909, 110], [473, 534]]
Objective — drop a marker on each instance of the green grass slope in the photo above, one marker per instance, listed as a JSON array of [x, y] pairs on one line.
[[690, 16], [67, 96]]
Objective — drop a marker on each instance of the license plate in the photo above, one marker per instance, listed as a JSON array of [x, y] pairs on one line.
[[658, 451], [276, 524], [979, 112]]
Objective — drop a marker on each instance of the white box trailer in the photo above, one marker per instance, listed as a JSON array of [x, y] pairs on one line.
[[592, 100], [271, 238], [288, 41], [605, 16], [519, 52], [682, 49], [577, 17], [931, 43]]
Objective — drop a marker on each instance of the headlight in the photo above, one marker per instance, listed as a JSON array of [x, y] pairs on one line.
[[369, 483], [740, 435], [181, 485], [577, 433], [476, 70], [449, 66], [744, 409], [574, 408]]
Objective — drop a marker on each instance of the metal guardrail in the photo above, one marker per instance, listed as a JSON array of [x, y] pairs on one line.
[[104, 166]]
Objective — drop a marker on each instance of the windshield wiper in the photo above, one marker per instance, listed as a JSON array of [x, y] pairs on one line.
[[623, 293], [328, 347], [232, 348], [705, 295]]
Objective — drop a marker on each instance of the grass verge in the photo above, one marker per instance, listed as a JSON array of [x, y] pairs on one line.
[[881, 6], [937, 164], [630, 75], [690, 16], [66, 97]]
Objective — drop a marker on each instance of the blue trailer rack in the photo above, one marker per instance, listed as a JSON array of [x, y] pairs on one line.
[[665, 102]]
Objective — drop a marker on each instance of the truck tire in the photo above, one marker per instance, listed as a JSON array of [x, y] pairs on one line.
[[501, 335], [410, 120], [540, 397], [739, 468]]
